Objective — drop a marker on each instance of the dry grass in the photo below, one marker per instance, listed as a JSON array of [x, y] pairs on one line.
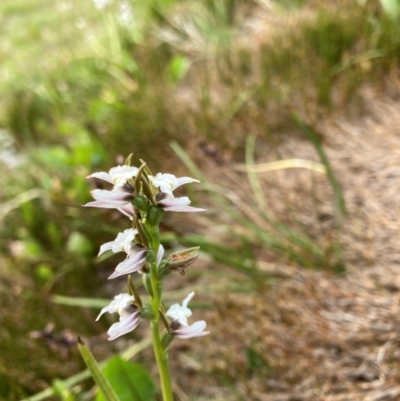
[[318, 336]]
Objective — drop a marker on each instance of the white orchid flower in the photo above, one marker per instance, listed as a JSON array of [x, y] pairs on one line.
[[129, 315], [122, 243], [117, 176], [180, 326], [118, 304], [136, 254], [168, 182], [181, 313]]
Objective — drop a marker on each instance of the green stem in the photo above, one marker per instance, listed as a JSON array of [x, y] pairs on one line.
[[160, 353], [162, 362]]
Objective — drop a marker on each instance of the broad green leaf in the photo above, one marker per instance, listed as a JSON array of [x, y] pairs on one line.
[[130, 381]]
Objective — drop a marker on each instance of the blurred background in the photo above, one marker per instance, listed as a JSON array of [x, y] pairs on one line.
[[286, 110]]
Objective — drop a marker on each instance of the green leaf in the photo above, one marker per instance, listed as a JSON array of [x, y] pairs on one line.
[[130, 381], [98, 377]]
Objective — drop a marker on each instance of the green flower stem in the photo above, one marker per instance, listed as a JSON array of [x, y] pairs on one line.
[[162, 362], [159, 352]]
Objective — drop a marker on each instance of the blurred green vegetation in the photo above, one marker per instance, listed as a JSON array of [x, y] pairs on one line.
[[81, 87]]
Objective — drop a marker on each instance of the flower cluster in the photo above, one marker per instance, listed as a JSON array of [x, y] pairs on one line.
[[144, 198]]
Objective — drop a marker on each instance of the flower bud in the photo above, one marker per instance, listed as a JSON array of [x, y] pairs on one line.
[[147, 284], [181, 259], [154, 216], [166, 339], [141, 203]]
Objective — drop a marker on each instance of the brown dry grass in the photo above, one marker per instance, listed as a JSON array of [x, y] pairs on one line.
[[320, 336]]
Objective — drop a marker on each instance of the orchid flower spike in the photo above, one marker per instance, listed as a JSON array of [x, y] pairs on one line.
[[180, 326], [136, 253], [129, 315]]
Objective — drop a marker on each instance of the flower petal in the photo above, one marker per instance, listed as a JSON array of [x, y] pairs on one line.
[[186, 301], [121, 174], [123, 241], [160, 254], [117, 196], [178, 205], [124, 326], [179, 313], [194, 330], [127, 210], [119, 303], [106, 247], [130, 265], [101, 176], [169, 182]]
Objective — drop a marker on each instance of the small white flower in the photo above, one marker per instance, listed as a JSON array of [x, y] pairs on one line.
[[117, 176], [135, 254], [129, 315], [179, 315], [122, 243], [118, 304], [168, 182]]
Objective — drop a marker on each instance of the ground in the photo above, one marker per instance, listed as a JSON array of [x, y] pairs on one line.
[[319, 336]]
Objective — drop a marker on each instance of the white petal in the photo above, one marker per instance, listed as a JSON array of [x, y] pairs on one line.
[[185, 180], [160, 254], [117, 196], [119, 302], [121, 174], [106, 247], [127, 210], [104, 310], [178, 205], [124, 326], [179, 313], [195, 330], [101, 204], [169, 182], [186, 301], [101, 176], [130, 265], [124, 240]]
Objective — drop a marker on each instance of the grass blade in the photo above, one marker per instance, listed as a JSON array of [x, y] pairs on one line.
[[96, 372]]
